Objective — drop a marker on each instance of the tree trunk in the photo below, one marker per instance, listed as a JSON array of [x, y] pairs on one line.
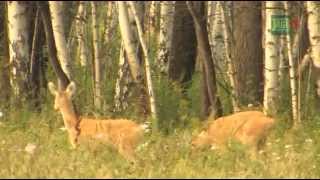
[[129, 43], [18, 48], [132, 57], [314, 36], [248, 52], [124, 82], [217, 38], [52, 52], [81, 22], [35, 62], [5, 58], [147, 64], [294, 99], [229, 41], [60, 36], [165, 35], [97, 68], [198, 15], [183, 50], [271, 91]]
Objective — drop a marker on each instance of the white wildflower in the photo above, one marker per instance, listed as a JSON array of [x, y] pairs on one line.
[[30, 148], [309, 140], [278, 158], [63, 129], [1, 114], [288, 146], [213, 147], [250, 105]]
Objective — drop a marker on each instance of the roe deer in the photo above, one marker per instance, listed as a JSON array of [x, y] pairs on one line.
[[123, 134], [249, 127]]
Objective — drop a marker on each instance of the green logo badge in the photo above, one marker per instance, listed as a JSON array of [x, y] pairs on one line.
[[280, 24]]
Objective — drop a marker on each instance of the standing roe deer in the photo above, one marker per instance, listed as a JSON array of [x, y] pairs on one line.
[[123, 134], [249, 127]]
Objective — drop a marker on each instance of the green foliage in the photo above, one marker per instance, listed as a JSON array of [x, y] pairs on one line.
[[288, 154]]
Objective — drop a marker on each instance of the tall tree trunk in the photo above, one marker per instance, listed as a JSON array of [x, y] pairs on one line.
[[183, 50], [52, 51], [147, 64], [198, 15], [229, 41], [18, 47], [165, 35], [294, 99], [97, 63], [217, 38], [314, 36], [35, 62], [5, 58], [271, 90], [124, 82], [132, 58], [248, 52], [153, 15], [81, 22], [129, 42], [64, 57]]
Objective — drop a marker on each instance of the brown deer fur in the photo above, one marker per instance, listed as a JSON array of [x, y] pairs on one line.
[[249, 127], [123, 134]]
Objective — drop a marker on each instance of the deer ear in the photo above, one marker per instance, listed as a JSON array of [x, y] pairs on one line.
[[52, 88], [71, 89]]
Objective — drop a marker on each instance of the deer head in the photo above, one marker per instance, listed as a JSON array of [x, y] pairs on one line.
[[62, 98]]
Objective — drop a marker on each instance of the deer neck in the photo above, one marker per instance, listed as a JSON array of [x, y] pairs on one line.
[[70, 118]]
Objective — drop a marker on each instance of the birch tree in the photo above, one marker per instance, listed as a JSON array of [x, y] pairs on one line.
[[97, 63], [294, 99], [18, 46], [60, 36], [314, 36], [165, 35], [128, 41], [81, 22], [229, 41], [147, 64], [217, 37], [271, 60], [132, 85]]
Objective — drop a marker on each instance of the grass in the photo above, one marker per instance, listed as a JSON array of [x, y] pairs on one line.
[[289, 154]]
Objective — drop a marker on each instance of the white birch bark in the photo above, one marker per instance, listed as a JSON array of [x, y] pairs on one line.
[[123, 83], [218, 38], [18, 45], [271, 90], [81, 22], [97, 63], [294, 99], [165, 35], [129, 41], [147, 63], [60, 37], [314, 31], [228, 41]]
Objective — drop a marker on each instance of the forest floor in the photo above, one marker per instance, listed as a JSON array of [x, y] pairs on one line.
[[32, 145]]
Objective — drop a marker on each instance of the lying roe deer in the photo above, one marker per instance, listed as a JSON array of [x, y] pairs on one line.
[[123, 134], [249, 127]]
